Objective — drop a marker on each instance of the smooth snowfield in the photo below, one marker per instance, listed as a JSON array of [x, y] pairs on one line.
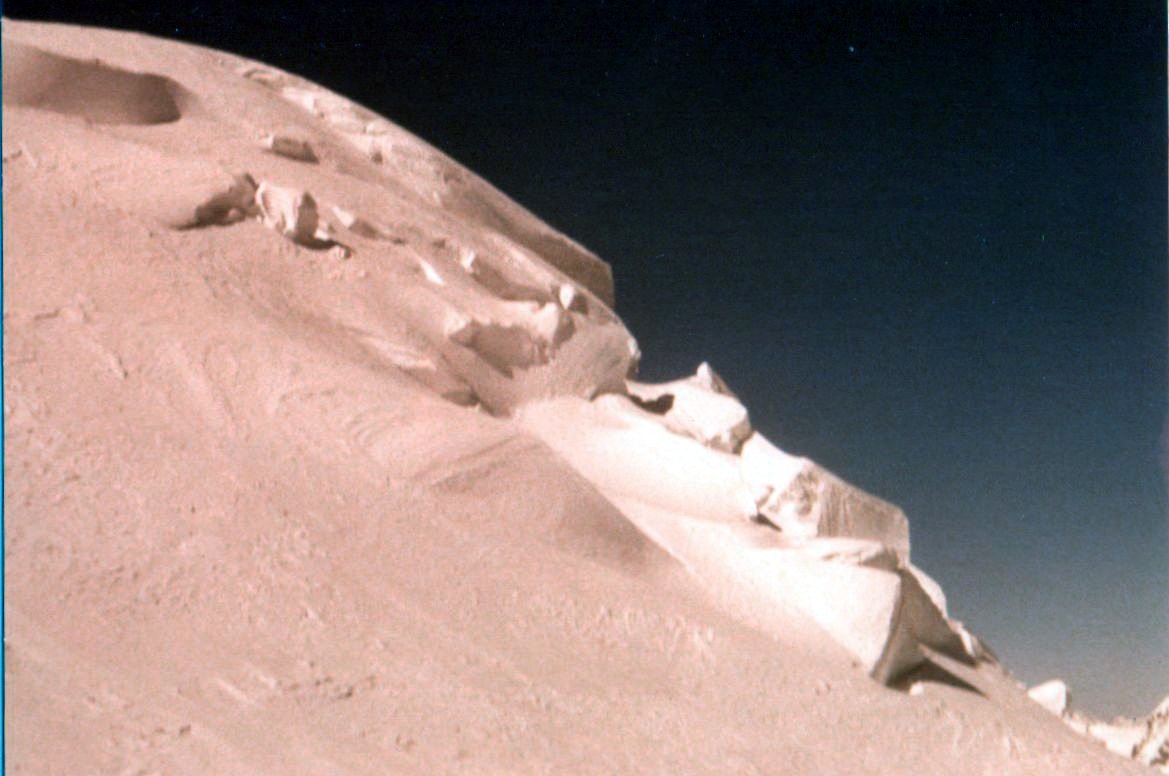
[[310, 468]]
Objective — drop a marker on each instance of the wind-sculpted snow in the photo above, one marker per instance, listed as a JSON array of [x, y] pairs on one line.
[[322, 455], [88, 89]]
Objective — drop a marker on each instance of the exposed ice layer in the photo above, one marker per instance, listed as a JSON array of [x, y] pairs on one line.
[[842, 509]]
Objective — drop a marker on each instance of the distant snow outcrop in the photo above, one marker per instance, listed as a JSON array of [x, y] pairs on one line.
[[1052, 695], [1154, 749], [1145, 739]]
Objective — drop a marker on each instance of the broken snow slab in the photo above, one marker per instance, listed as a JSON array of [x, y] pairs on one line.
[[291, 212], [881, 612], [794, 494], [700, 406], [804, 499], [291, 145]]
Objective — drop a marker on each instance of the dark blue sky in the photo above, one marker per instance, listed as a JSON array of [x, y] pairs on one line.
[[925, 242]]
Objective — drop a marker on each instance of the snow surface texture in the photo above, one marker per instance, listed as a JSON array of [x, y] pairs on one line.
[[324, 456]]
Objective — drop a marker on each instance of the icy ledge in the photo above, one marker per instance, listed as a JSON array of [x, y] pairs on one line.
[[775, 539]]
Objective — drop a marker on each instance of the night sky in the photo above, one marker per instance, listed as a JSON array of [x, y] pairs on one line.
[[925, 243]]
